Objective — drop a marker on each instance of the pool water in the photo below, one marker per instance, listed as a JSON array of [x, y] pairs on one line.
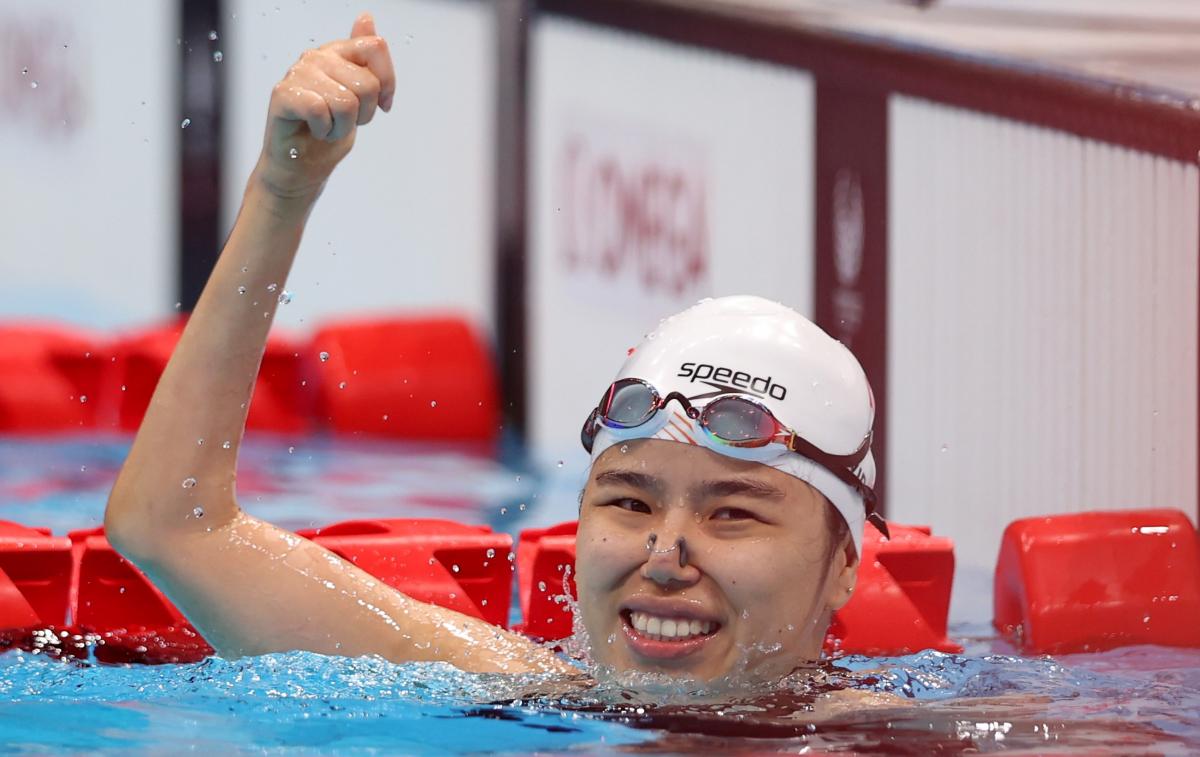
[[1136, 700]]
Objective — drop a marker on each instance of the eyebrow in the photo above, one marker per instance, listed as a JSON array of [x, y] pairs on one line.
[[730, 487], [634, 479], [733, 487]]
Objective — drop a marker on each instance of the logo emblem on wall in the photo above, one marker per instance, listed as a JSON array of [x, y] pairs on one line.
[[42, 87], [849, 230], [631, 213]]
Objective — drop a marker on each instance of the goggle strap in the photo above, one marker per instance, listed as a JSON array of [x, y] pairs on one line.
[[877, 520]]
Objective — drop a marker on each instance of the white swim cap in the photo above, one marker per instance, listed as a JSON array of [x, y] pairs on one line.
[[747, 345]]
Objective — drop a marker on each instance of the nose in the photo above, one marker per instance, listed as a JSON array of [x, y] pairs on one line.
[[669, 559]]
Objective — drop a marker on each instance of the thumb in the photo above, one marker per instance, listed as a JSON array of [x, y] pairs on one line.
[[364, 26]]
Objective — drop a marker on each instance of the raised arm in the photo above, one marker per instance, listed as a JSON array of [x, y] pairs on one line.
[[248, 586]]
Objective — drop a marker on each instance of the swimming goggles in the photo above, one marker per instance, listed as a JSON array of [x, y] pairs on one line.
[[734, 424]]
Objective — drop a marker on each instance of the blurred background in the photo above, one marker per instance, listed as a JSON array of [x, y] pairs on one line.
[[996, 205]]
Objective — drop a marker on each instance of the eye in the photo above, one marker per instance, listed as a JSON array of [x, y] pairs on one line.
[[733, 513], [630, 504]]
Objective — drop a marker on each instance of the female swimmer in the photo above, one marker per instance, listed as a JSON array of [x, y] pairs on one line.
[[721, 521]]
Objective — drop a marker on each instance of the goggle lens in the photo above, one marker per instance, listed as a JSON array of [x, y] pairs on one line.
[[628, 404], [739, 422]]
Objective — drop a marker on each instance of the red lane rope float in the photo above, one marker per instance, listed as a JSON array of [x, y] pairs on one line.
[[50, 378], [901, 601], [461, 567], [428, 377], [1099, 580], [81, 586], [545, 558], [281, 400], [36, 572], [417, 378], [900, 605]]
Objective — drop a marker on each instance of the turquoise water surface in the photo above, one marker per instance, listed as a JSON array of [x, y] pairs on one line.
[[1137, 700]]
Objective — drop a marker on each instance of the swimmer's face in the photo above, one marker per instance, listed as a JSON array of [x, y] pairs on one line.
[[759, 583]]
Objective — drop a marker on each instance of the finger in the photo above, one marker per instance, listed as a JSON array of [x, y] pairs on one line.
[[356, 79], [373, 53], [364, 26], [343, 105], [292, 103]]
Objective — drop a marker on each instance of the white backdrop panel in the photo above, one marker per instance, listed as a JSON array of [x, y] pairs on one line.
[[1042, 330], [407, 219], [89, 139], [659, 174]]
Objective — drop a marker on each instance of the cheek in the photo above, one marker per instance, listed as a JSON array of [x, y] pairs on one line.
[[601, 559], [772, 581]]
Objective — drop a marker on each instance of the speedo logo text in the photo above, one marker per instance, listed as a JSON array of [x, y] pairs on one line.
[[727, 378]]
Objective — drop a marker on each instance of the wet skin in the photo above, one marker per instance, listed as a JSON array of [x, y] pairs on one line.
[[756, 568]]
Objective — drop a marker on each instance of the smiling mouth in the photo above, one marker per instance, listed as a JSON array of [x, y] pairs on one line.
[[668, 629]]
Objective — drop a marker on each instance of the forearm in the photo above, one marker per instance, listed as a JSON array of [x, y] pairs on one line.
[[185, 453], [297, 595]]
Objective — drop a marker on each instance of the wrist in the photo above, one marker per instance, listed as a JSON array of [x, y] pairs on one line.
[[286, 203]]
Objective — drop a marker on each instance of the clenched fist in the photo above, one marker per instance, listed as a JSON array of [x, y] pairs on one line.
[[317, 106]]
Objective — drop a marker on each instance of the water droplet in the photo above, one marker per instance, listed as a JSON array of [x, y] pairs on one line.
[[198, 512], [342, 385], [483, 603], [324, 356], [945, 447], [745, 614], [272, 287], [200, 442], [454, 568], [504, 511], [25, 71], [512, 556], [189, 482], [241, 290], [285, 297], [122, 387], [293, 153], [83, 398], [541, 585], [185, 123], [491, 552], [385, 416], [624, 448], [245, 269], [33, 85], [433, 403], [213, 35], [218, 56], [560, 463], [226, 445], [291, 450], [521, 507], [83, 469]]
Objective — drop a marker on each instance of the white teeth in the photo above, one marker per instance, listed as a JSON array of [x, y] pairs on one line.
[[668, 628]]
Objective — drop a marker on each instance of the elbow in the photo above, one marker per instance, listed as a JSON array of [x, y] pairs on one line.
[[125, 520]]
